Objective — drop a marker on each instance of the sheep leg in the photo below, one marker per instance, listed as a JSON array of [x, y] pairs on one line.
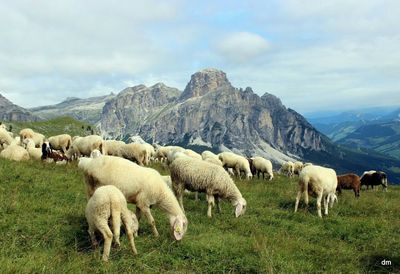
[[217, 201], [150, 218], [326, 204], [129, 231], [116, 223], [107, 235], [196, 196], [211, 203], [237, 169], [299, 192], [319, 199]]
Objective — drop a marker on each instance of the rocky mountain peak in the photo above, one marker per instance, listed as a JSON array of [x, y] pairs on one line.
[[204, 81], [12, 112]]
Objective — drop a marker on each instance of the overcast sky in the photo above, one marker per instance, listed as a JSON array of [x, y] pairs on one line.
[[314, 55]]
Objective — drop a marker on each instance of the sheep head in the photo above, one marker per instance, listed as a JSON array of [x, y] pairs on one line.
[[179, 227], [240, 207]]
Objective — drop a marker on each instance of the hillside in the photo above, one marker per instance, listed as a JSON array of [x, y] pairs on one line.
[[54, 126], [44, 230]]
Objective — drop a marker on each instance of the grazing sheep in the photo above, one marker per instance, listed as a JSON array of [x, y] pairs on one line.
[[349, 181], [208, 154], [260, 165], [287, 169], [60, 142], [320, 182], [51, 155], [161, 152], [236, 162], [109, 202], [134, 152], [35, 136], [297, 167], [192, 154], [34, 152], [140, 185], [15, 152], [214, 161], [84, 146], [113, 147], [150, 152], [201, 176], [374, 178], [5, 137]]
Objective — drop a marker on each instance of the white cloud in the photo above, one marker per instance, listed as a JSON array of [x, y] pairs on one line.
[[242, 47]]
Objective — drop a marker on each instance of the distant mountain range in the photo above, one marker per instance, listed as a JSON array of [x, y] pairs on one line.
[[212, 114], [377, 129], [88, 109]]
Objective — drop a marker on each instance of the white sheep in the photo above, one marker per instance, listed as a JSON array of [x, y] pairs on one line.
[[140, 185], [208, 154], [15, 152], [35, 136], [134, 152], [214, 161], [60, 142], [162, 152], [113, 147], [5, 137], [34, 152], [297, 167], [84, 146], [287, 168], [201, 176], [236, 162], [192, 154], [260, 165], [109, 202], [317, 181]]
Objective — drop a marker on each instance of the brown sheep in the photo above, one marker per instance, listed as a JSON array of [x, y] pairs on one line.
[[349, 181]]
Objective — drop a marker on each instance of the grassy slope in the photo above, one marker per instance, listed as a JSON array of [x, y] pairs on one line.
[[54, 126], [43, 229]]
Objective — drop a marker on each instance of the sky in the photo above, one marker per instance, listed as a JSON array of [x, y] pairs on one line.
[[314, 55]]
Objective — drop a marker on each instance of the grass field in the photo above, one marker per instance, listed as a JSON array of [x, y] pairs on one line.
[[43, 230]]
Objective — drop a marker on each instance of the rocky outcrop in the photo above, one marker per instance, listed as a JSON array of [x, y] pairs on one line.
[[12, 112], [211, 113]]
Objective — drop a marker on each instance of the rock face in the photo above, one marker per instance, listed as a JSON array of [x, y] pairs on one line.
[[88, 110], [12, 112], [211, 112]]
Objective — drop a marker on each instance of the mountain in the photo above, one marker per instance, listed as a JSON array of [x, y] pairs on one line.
[[376, 129], [88, 110], [212, 114], [12, 112]]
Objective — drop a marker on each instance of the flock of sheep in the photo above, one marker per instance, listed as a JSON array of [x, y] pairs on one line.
[[116, 174]]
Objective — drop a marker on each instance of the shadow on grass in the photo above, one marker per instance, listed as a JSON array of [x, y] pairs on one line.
[[77, 235], [381, 264], [289, 205]]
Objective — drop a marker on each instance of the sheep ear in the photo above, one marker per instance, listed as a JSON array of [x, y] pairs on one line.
[[238, 210], [178, 230]]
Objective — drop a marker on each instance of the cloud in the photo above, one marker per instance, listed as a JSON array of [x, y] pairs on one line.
[[242, 47]]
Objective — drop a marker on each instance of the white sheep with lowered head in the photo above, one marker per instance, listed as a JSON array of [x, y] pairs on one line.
[[60, 142], [201, 176], [34, 152], [35, 136], [287, 168], [135, 152], [15, 152], [260, 165], [113, 147], [109, 202], [140, 185], [5, 137], [320, 182], [297, 167], [83, 146], [236, 162]]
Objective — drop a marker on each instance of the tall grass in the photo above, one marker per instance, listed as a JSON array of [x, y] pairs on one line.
[[43, 229]]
